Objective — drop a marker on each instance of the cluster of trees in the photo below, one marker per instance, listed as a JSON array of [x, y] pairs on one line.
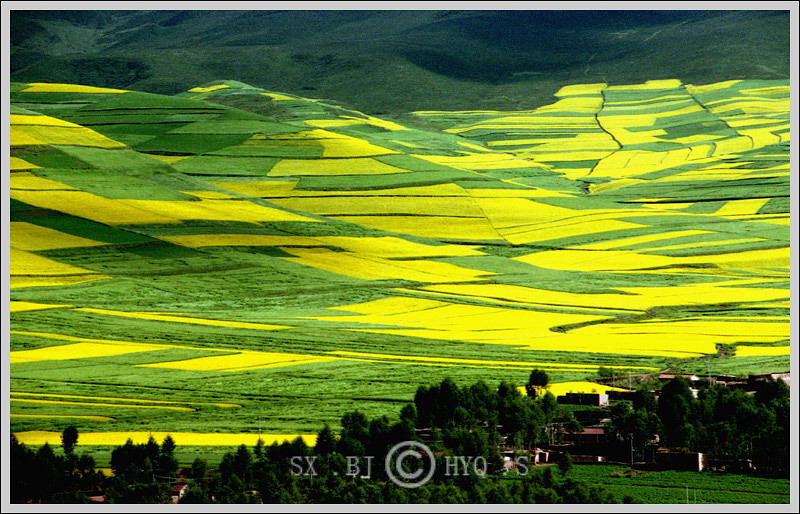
[[462, 414], [722, 422], [143, 473], [349, 467], [42, 476]]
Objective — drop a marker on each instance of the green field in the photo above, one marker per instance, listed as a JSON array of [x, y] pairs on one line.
[[172, 253], [671, 486]]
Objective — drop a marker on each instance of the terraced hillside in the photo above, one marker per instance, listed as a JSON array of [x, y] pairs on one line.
[[234, 260]]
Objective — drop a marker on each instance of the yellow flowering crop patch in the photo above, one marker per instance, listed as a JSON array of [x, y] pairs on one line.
[[562, 388], [208, 89], [344, 166], [517, 193], [38, 119], [211, 195], [431, 206], [243, 361], [434, 227], [522, 221], [21, 164], [467, 322], [27, 236], [40, 87], [140, 400], [169, 159], [437, 190], [709, 243], [629, 241], [98, 404], [513, 294], [32, 182], [483, 161], [351, 147], [391, 306], [650, 84], [278, 96], [750, 206], [384, 247], [261, 189], [81, 351], [22, 135], [220, 210], [581, 89], [27, 263], [761, 351], [621, 260], [377, 268], [347, 121], [92, 207], [598, 340], [324, 124], [184, 319], [526, 364], [180, 438], [710, 87], [73, 416], [62, 280], [16, 306]]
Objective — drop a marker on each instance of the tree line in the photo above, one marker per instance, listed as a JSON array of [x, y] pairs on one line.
[[727, 424], [474, 421]]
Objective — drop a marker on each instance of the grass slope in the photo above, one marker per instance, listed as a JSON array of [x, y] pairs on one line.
[[398, 61], [296, 258]]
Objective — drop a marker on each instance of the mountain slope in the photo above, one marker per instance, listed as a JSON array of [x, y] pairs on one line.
[[398, 61]]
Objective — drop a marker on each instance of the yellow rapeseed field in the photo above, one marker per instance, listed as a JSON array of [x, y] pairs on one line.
[[73, 416], [242, 361], [429, 206], [371, 267], [760, 351], [22, 135], [30, 237], [93, 207], [184, 319], [383, 247], [180, 438], [208, 89], [323, 167], [525, 364], [17, 163], [628, 260], [562, 388], [27, 263], [347, 146], [18, 306], [119, 399], [81, 351], [40, 87], [260, 189], [434, 227], [32, 182], [218, 210]]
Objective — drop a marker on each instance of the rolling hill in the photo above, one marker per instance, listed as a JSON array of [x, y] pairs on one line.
[[393, 62], [233, 259]]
